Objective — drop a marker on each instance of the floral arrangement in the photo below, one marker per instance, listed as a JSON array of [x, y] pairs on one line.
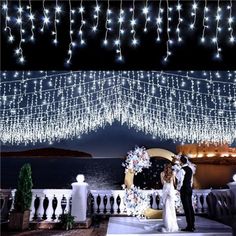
[[137, 160], [136, 201], [178, 204]]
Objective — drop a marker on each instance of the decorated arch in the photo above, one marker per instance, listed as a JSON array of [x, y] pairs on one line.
[[130, 173]]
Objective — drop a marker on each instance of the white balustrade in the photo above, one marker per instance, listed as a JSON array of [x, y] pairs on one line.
[[199, 196]]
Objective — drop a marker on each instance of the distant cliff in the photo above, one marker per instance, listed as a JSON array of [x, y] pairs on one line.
[[47, 152]]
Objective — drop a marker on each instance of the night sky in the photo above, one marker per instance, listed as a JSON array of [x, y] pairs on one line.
[[113, 141]]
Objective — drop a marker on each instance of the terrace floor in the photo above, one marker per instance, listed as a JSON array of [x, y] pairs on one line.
[[131, 226]]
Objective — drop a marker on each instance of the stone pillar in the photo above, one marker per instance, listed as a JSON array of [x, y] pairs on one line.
[[79, 199]]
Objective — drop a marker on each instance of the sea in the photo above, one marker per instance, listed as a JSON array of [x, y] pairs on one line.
[[61, 172]]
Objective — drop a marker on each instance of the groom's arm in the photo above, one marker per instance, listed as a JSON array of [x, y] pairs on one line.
[[180, 178]]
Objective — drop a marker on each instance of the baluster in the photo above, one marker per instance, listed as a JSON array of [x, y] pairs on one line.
[[67, 204], [118, 201], [205, 203], [151, 200], [58, 209], [10, 203], [40, 208], [13, 199], [195, 205], [105, 204], [32, 207], [198, 203], [70, 205], [45, 206], [63, 204], [112, 201], [157, 201], [54, 207], [92, 204], [98, 203], [36, 207], [202, 202]]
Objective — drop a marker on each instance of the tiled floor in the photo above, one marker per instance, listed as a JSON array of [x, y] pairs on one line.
[[131, 226], [123, 226]]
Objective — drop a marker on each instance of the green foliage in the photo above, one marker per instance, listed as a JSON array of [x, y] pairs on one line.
[[67, 221], [23, 196]]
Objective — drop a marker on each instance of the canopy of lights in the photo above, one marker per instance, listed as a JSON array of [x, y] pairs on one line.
[[122, 23], [184, 106]]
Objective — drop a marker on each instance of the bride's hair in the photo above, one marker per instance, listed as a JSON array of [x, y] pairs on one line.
[[168, 172]]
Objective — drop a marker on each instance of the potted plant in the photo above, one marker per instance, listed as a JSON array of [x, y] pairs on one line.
[[67, 221], [19, 217]]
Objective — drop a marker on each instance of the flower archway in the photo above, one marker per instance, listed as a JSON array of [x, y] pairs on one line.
[[132, 190]]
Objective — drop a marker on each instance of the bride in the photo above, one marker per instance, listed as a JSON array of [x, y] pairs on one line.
[[168, 198]]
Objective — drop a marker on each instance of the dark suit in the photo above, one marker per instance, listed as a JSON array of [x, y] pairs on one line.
[[186, 197]]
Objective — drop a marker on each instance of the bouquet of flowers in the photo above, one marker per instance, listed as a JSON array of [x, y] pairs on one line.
[[136, 201], [137, 160]]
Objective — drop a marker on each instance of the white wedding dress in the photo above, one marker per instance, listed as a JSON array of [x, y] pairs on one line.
[[169, 213]]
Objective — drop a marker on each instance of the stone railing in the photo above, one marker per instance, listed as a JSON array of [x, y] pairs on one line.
[[48, 204], [220, 204]]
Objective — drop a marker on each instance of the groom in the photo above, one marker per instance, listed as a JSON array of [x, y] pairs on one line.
[[185, 181]]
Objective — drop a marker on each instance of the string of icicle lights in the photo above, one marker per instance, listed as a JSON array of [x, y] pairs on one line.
[[120, 23], [183, 106]]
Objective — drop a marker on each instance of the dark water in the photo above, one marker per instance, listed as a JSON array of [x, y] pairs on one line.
[[106, 173]]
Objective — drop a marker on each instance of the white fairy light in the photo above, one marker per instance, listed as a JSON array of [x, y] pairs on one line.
[[46, 19], [99, 98], [204, 21], [96, 16], [70, 50], [230, 21], [145, 11], [31, 17], [194, 14], [133, 23], [57, 11], [159, 21], [82, 23], [118, 40], [7, 18], [169, 41], [179, 7], [215, 38], [107, 23], [125, 22], [19, 50]]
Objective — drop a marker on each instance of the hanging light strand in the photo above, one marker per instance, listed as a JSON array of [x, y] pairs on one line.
[[96, 16], [194, 14], [7, 18], [215, 40], [31, 17], [159, 22], [19, 50], [147, 18], [82, 23], [70, 51], [133, 23], [46, 19], [179, 21], [230, 22], [118, 41], [168, 42], [108, 21], [204, 21]]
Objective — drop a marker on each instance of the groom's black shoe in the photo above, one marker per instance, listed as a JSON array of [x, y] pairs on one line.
[[188, 229]]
